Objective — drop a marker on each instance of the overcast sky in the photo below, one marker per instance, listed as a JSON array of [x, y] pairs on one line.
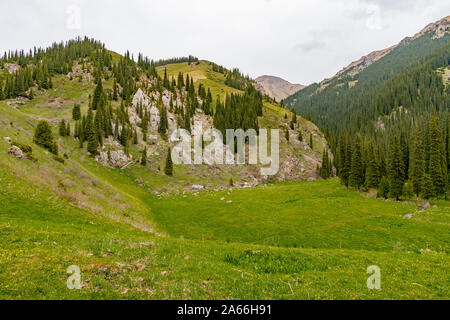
[[301, 41]]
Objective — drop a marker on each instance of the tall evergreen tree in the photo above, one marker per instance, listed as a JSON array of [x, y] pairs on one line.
[[395, 168], [168, 170], [437, 168], [144, 157], [62, 128], [356, 170], [372, 168], [76, 112], [417, 168]]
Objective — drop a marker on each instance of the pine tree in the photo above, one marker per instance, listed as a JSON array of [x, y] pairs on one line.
[[372, 168], [417, 167], [98, 92], [92, 144], [437, 165], [347, 163], [169, 165], [76, 112], [383, 188], [163, 122], [144, 157], [395, 168], [300, 136], [287, 135], [68, 131], [408, 191], [356, 170], [427, 190], [311, 142], [62, 128]]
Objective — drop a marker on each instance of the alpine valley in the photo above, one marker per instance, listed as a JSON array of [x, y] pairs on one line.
[[87, 177]]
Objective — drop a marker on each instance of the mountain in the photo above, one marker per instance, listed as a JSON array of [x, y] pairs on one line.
[[353, 96], [437, 30], [276, 87]]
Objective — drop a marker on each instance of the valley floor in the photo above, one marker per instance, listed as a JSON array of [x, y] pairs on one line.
[[318, 245]]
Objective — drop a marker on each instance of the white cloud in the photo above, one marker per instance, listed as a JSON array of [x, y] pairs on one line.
[[301, 41]]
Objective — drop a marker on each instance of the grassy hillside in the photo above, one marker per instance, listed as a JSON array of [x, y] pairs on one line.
[[201, 73], [42, 235]]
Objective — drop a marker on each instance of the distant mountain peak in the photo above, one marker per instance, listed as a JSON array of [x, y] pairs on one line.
[[277, 87]]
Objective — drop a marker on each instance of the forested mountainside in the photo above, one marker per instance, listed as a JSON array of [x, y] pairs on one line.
[[121, 112], [389, 119]]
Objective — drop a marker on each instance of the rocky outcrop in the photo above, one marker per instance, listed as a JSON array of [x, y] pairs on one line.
[[114, 159]]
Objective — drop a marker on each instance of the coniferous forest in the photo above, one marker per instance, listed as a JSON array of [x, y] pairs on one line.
[[389, 123]]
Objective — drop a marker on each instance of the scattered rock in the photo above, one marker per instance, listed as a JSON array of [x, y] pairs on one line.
[[16, 152], [8, 139], [197, 187]]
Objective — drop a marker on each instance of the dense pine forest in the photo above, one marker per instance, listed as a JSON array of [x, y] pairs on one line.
[[388, 126]]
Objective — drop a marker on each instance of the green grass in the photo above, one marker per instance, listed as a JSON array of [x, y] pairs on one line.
[[202, 74], [42, 235], [318, 214]]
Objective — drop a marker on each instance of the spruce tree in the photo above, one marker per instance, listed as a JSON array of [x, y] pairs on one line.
[[62, 128], [383, 188], [76, 112], [168, 170], [417, 167], [372, 168], [356, 169], [437, 165], [427, 190], [395, 168], [408, 191], [144, 157]]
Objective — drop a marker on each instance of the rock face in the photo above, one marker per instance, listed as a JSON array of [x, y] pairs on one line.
[[154, 118], [140, 97], [16, 152], [277, 88], [117, 159]]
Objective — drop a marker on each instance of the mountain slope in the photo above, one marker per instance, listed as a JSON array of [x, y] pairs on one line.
[[353, 96], [276, 87], [437, 29], [76, 84]]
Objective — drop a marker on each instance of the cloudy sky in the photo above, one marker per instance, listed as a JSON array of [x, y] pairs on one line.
[[301, 41]]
